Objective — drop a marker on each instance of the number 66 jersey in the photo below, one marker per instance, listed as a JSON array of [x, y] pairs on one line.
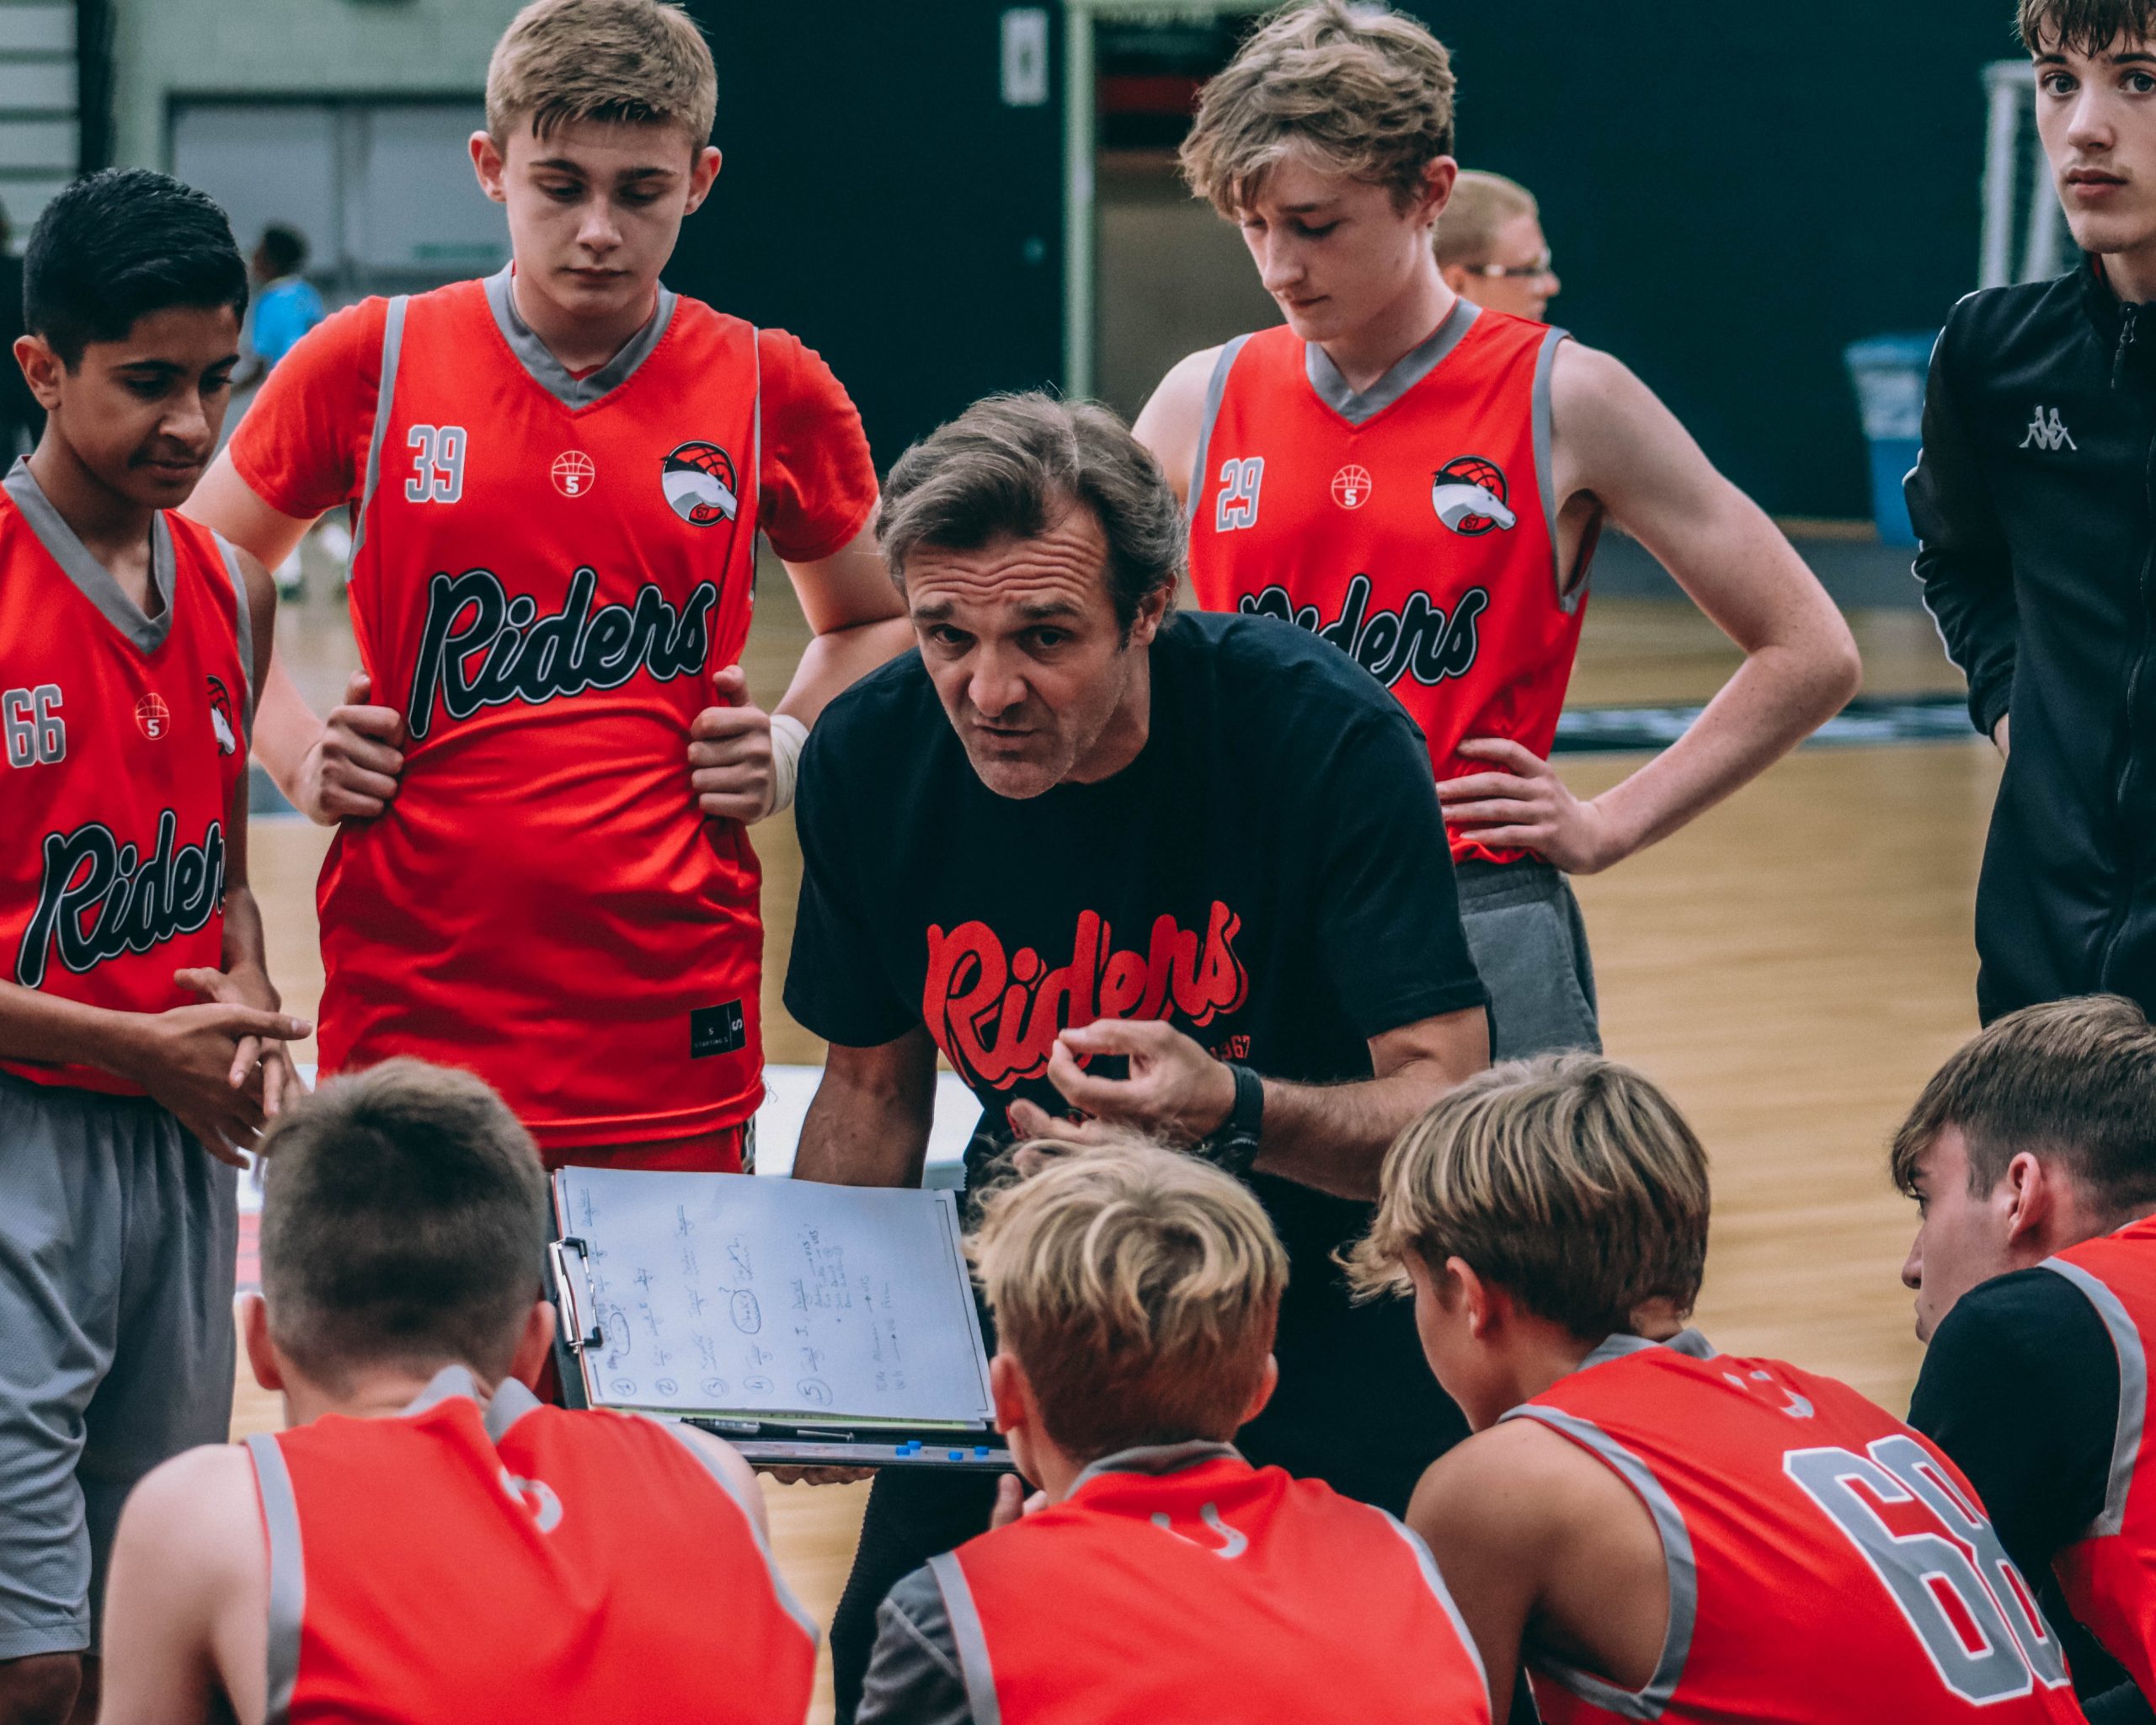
[[1827, 1564]]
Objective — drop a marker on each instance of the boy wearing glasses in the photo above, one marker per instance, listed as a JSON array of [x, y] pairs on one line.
[[1490, 247], [1423, 481]]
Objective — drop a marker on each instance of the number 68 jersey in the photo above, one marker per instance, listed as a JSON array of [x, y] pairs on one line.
[[123, 738], [1826, 1563]]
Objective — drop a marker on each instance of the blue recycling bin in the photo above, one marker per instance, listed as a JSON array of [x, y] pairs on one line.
[[1889, 373]]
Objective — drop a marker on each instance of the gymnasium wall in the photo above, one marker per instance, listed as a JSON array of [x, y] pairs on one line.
[[1733, 192]]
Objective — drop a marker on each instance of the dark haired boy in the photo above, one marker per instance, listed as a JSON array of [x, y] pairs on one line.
[[425, 1541], [2033, 1156], [2038, 527], [140, 1045]]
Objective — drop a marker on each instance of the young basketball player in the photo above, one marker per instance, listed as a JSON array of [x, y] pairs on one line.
[[2032, 1154], [557, 477], [140, 1045], [1661, 1531], [1490, 248], [1160, 1576], [427, 1543], [1422, 482]]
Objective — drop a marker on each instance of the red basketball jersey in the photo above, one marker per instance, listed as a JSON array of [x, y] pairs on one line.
[[547, 571], [1413, 525], [2109, 1575], [126, 742], [1183, 1584], [522, 1564], [1826, 1563]]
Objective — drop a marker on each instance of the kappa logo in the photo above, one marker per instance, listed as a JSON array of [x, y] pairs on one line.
[[701, 484], [995, 1014], [1468, 493], [2049, 433], [221, 719]]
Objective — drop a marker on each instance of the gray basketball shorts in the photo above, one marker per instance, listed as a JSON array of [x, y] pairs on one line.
[[1526, 936], [117, 1239]]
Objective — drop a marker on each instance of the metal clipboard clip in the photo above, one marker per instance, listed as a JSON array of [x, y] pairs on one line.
[[581, 1310]]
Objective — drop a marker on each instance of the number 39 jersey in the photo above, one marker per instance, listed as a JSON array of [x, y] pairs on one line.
[[1413, 525], [125, 740], [548, 568], [1826, 1563]]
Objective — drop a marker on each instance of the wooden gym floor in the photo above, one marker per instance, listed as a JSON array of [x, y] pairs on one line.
[[1792, 967]]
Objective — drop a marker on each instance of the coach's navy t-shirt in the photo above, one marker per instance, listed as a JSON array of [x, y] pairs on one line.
[[1270, 874]]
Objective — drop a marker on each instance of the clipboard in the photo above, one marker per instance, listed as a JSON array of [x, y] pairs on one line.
[[808, 1325]]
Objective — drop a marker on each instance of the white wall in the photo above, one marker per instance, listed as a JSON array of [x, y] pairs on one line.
[[289, 47]]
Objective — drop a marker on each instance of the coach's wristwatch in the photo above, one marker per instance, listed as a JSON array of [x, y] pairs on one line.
[[1234, 1147]]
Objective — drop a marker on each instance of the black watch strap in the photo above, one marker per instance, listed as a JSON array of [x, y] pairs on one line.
[[1234, 1147]]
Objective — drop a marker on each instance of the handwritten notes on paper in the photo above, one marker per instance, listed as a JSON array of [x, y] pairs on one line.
[[728, 1294]]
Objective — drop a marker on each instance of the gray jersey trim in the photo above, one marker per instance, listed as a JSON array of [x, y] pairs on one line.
[[281, 1519], [385, 391], [1410, 369], [446, 1385], [1687, 1341], [1216, 390], [507, 1405], [243, 626], [2133, 1394], [971, 1639], [549, 373], [1572, 584], [792, 1607], [1157, 1460], [1427, 1561], [94, 581], [1678, 1563]]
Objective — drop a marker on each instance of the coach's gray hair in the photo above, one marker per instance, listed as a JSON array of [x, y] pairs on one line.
[[1011, 466]]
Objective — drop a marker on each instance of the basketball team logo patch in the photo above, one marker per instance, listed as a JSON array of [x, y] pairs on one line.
[[573, 473], [1469, 495], [701, 484], [1351, 487], [221, 719], [152, 718]]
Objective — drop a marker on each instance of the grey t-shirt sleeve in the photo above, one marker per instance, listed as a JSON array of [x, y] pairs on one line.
[[913, 1673]]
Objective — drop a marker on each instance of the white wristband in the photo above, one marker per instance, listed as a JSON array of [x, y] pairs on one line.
[[788, 737]]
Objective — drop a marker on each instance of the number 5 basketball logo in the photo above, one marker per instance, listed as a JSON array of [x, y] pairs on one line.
[[1927, 1543], [1239, 483], [437, 464]]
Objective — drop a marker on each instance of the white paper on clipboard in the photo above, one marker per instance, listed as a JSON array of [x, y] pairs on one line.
[[729, 1295]]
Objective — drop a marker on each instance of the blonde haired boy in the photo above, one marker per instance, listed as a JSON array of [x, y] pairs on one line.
[[1661, 1531], [1422, 482], [1491, 247], [556, 478], [1157, 1575]]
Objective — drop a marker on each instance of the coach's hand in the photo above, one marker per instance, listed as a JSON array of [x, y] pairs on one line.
[[1527, 807], [351, 772], [1175, 1089], [1012, 1504], [185, 1059], [730, 752]]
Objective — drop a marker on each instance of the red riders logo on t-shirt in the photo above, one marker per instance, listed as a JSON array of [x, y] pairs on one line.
[[1469, 495], [699, 482], [996, 1018]]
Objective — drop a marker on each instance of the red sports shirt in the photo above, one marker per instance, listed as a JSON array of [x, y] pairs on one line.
[[2109, 1576], [123, 741], [1182, 1584], [547, 572], [522, 1564], [1826, 1563], [1414, 525]]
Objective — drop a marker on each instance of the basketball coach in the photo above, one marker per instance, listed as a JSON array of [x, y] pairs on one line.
[[1182, 872]]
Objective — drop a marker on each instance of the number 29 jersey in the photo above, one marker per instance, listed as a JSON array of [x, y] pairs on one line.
[[1413, 525], [1826, 1564], [547, 570]]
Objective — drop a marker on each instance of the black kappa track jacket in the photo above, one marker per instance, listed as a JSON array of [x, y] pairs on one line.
[[2035, 504]]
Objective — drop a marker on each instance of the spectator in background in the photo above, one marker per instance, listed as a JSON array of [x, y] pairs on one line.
[[286, 304], [1490, 248], [22, 420]]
